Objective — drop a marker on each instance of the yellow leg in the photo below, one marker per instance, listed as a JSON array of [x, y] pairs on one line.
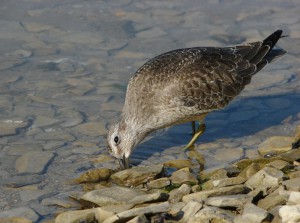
[[200, 130]]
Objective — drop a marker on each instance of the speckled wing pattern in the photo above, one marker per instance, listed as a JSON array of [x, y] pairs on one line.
[[191, 81]]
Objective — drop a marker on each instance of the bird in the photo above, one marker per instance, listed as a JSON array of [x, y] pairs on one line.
[[184, 85]]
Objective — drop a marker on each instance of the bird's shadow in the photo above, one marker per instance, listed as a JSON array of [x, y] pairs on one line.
[[243, 117]]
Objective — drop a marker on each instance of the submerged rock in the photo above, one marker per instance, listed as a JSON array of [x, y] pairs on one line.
[[137, 175], [178, 164]]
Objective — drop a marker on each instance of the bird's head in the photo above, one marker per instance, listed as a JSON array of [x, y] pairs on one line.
[[122, 140]]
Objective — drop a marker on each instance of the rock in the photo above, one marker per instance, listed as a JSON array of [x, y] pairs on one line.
[[250, 170], [118, 208], [23, 212], [183, 176], [201, 195], [69, 117], [196, 188], [212, 214], [215, 175], [176, 210], [76, 216], [101, 214], [139, 219], [178, 163], [65, 203], [151, 33], [278, 164], [94, 176], [295, 174], [294, 198], [33, 161], [21, 181], [11, 126], [251, 214], [15, 220], [28, 195], [244, 163], [270, 202], [177, 194], [137, 175], [237, 201], [275, 145], [266, 177], [223, 182], [291, 155], [90, 129], [54, 134], [292, 184], [111, 196], [189, 210], [159, 183], [35, 27], [290, 214], [149, 198], [44, 121], [146, 210]]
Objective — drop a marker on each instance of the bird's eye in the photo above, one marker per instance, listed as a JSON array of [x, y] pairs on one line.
[[116, 139]]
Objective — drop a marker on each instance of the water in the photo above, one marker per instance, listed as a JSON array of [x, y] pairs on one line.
[[64, 69]]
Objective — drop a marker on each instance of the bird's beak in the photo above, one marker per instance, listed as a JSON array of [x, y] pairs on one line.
[[124, 162]]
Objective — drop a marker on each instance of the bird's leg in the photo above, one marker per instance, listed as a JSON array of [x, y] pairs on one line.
[[200, 130], [193, 127]]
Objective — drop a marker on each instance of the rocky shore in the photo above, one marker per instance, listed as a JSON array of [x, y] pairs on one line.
[[264, 189]]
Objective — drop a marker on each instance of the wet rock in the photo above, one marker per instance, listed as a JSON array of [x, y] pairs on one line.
[[91, 129], [266, 177], [250, 170], [33, 161], [19, 149], [15, 220], [94, 176], [292, 184], [270, 202], [201, 195], [212, 214], [178, 163], [149, 198], [177, 194], [111, 196], [229, 154], [159, 183], [189, 210], [28, 195], [290, 213], [251, 214], [237, 201], [223, 182], [11, 126], [65, 203], [275, 145], [23, 212], [54, 134], [244, 163], [21, 181], [137, 175], [146, 210], [35, 27], [76, 216], [183, 176]]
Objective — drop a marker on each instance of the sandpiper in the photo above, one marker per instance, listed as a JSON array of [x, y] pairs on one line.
[[184, 85]]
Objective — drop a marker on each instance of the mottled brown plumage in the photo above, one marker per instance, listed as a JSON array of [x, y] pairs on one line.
[[184, 85]]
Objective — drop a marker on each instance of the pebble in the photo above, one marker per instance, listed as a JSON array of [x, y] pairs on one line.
[[276, 145], [69, 117], [33, 161], [24, 212]]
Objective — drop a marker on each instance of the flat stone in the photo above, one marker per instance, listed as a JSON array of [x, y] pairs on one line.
[[151, 33], [24, 212], [295, 174], [149, 198], [266, 177], [201, 195], [213, 214], [178, 163], [65, 203], [90, 129], [146, 210], [44, 121], [69, 117], [20, 149], [177, 194], [10, 126], [159, 183], [28, 195], [15, 220], [118, 208], [33, 161], [270, 202], [54, 134], [294, 198], [189, 211], [76, 216], [291, 155], [244, 163], [214, 175], [250, 170], [94, 176], [183, 176], [101, 214], [137, 175], [251, 214], [36, 27], [290, 213], [139, 219], [278, 164], [21, 181], [292, 184], [111, 196], [276, 145], [223, 182], [229, 154], [238, 201]]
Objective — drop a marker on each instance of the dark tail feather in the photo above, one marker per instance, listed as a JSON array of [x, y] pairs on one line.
[[271, 41]]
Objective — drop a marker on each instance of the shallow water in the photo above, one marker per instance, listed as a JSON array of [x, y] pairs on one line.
[[64, 69]]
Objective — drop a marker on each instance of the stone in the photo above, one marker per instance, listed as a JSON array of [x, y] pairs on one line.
[[118, 208], [15, 220], [33, 161], [178, 163], [35, 27], [69, 117], [278, 164], [292, 184], [21, 181], [237, 201], [290, 213], [159, 183], [139, 219], [91, 129], [183, 176], [11, 126], [151, 33], [145, 210], [137, 175], [214, 175], [270, 202], [54, 134], [189, 210], [291, 155], [212, 214], [250, 170], [44, 121], [223, 182], [20, 149], [244, 163], [275, 145], [149, 198], [94, 176], [202, 195], [23, 212], [295, 174], [101, 214], [177, 194], [294, 198], [65, 203], [28, 195], [251, 214], [266, 177], [76, 216], [111, 196]]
